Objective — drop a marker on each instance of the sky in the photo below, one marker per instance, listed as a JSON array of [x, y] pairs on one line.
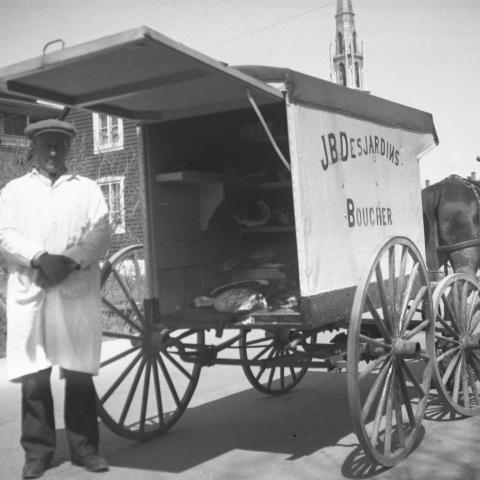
[[421, 53]]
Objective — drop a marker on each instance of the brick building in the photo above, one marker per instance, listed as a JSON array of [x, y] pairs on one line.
[[105, 150]]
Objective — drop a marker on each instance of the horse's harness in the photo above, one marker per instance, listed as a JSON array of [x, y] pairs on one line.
[[474, 242]]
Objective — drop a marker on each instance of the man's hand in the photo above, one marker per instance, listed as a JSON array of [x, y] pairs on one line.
[[56, 268]]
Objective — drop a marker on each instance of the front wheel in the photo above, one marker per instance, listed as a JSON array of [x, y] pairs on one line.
[[389, 358]]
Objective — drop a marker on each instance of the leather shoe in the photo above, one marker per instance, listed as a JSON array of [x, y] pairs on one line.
[[35, 468], [92, 463]]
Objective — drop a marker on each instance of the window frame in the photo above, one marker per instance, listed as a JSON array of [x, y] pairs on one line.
[[109, 180], [109, 145]]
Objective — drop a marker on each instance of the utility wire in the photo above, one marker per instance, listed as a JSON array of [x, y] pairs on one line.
[[266, 27]]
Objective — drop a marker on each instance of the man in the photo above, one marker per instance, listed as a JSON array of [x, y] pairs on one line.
[[53, 231]]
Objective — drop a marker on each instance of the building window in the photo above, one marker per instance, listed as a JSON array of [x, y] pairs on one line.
[[113, 189], [354, 42], [107, 133], [340, 46], [357, 75], [342, 75]]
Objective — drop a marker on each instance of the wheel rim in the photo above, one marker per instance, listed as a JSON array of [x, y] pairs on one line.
[[457, 340], [272, 345], [389, 358], [143, 385]]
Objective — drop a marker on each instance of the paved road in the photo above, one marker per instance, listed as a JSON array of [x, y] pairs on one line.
[[233, 432]]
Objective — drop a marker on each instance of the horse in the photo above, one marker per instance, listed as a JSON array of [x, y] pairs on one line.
[[451, 216]]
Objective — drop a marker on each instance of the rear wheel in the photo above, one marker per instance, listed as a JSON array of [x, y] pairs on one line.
[[457, 343], [143, 385], [390, 349], [276, 375]]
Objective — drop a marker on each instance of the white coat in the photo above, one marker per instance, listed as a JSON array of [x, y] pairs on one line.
[[58, 325]]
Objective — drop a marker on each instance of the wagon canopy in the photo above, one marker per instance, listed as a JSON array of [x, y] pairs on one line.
[[137, 74], [355, 179]]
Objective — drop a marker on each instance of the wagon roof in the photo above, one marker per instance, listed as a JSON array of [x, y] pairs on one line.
[[138, 74], [308, 90]]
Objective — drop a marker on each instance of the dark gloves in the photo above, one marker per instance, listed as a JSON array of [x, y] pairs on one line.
[[54, 269]]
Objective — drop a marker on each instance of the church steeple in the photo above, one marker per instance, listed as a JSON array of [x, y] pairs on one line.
[[347, 60]]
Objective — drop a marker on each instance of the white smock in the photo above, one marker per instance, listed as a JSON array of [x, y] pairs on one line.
[[59, 325]]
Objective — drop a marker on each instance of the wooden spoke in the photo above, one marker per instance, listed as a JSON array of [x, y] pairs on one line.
[[131, 393], [381, 405], [450, 310], [475, 365], [412, 378], [264, 350], [119, 356], [388, 419], [146, 384], [384, 328], [123, 316], [473, 309], [407, 294], [399, 421], [372, 365], [391, 277], [421, 326], [447, 326], [373, 341], [128, 295], [158, 395], [401, 278], [456, 382], [463, 306], [450, 368], [272, 372], [256, 341], [448, 340], [121, 335], [472, 377], [447, 353], [474, 324], [413, 308], [373, 393], [383, 296], [120, 378], [168, 379], [466, 394], [177, 364], [402, 384]]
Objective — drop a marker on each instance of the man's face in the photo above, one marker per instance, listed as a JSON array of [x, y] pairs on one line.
[[50, 150]]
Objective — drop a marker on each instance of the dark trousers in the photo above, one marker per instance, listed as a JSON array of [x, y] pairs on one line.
[[38, 422]]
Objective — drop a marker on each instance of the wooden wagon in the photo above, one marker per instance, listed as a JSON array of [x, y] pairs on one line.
[[302, 195]]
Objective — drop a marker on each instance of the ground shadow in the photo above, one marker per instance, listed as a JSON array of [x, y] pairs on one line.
[[313, 416]]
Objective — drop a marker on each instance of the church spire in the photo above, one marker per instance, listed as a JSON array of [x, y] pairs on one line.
[[344, 6], [347, 60]]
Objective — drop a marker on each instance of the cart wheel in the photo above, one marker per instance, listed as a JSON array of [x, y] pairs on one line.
[[139, 356], [388, 368], [273, 345], [457, 342]]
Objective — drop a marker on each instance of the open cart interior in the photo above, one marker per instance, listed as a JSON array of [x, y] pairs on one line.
[[223, 211]]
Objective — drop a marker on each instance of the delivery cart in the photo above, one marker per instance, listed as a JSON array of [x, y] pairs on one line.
[[277, 207]]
